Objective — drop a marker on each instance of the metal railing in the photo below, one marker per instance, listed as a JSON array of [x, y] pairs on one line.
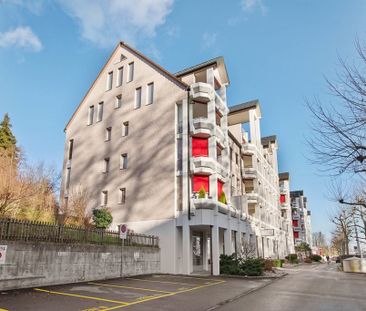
[[23, 230]]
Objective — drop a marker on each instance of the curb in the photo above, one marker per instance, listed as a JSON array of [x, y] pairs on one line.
[[245, 277], [220, 304]]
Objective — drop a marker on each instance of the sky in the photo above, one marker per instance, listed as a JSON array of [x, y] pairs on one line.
[[276, 51]]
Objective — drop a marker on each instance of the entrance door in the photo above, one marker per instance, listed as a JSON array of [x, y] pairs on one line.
[[197, 250]]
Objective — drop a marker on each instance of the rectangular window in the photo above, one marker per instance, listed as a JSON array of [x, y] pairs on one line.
[[91, 115], [125, 129], [106, 165], [236, 158], [138, 98], [71, 147], [131, 68], [179, 118], [108, 134], [109, 81], [104, 198], [118, 102], [100, 112], [150, 93], [119, 76], [199, 147], [67, 182], [123, 161], [200, 181], [122, 196]]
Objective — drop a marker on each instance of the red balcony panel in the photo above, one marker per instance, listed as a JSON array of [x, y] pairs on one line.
[[296, 235], [282, 198], [220, 184], [295, 223], [199, 147], [199, 181]]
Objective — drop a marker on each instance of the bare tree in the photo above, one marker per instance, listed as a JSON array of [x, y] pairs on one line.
[[338, 141], [343, 223], [247, 249]]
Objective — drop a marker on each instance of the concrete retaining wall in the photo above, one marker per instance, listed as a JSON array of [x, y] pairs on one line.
[[30, 264]]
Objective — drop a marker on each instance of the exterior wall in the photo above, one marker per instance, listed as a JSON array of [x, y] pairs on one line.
[[150, 144], [41, 264], [301, 213]]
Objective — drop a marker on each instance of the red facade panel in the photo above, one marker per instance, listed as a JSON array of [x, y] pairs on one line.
[[220, 184], [282, 198], [199, 147], [199, 181], [296, 235], [295, 223]]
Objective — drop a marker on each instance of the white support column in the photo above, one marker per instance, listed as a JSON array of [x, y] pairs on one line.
[[215, 250], [187, 250], [227, 242]]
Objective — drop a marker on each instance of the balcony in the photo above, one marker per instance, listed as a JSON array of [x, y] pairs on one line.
[[202, 127], [202, 92], [249, 173], [220, 136], [210, 204], [220, 104], [295, 217], [203, 165], [296, 229], [252, 197], [248, 149]]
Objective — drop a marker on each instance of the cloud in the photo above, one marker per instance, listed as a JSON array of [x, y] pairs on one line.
[[252, 5], [209, 40], [20, 37], [104, 22], [34, 6]]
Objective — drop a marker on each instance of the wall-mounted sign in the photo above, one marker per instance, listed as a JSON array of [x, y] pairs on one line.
[[123, 231], [267, 232]]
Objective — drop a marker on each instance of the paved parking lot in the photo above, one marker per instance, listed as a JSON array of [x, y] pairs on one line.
[[155, 292]]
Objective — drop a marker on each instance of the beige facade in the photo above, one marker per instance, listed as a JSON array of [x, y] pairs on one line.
[[147, 161]]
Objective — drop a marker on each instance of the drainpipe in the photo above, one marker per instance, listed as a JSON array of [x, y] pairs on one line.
[[188, 157]]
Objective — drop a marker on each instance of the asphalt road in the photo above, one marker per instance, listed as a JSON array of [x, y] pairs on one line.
[[317, 287]]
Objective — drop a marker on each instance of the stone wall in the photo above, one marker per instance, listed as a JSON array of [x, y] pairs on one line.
[[31, 264]]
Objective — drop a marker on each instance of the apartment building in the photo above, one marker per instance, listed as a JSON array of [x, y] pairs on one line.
[[301, 218], [168, 157]]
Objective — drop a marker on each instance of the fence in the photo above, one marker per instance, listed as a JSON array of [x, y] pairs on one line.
[[22, 230]]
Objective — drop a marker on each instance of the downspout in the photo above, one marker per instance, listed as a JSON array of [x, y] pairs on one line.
[[188, 156]]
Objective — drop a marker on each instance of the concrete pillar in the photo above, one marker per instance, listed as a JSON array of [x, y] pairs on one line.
[[215, 250], [227, 241], [187, 250]]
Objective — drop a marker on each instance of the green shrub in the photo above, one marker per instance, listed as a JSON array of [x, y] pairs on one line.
[[315, 257], [277, 263], [222, 198], [252, 267], [229, 264], [102, 218], [202, 193], [292, 258]]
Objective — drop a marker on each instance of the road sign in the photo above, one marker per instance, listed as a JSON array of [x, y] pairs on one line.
[[123, 232], [3, 254]]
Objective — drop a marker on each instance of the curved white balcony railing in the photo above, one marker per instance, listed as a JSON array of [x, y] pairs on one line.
[[249, 173], [202, 127], [202, 92]]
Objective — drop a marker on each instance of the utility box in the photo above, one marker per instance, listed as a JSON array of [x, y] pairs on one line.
[[355, 265]]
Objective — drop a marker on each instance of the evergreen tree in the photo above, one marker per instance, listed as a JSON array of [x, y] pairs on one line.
[[7, 139]]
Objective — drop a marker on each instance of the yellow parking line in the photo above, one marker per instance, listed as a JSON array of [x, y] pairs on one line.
[[162, 296], [162, 282], [130, 287], [80, 296]]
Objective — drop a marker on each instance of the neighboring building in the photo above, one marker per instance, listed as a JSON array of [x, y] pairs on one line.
[[285, 201], [301, 218], [143, 142]]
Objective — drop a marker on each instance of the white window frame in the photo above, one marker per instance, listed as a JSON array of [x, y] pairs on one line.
[[122, 196], [118, 102], [91, 115], [104, 198], [119, 80], [125, 128], [108, 133], [100, 111], [106, 164], [138, 98], [150, 86], [109, 82], [131, 72], [123, 163]]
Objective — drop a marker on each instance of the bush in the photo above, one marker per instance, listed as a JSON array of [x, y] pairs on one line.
[[234, 266], [307, 260], [316, 258], [222, 198], [292, 258], [278, 263], [252, 267], [268, 264], [202, 193], [102, 218]]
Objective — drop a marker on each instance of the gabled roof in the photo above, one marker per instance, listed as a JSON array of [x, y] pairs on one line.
[[218, 61], [240, 113], [172, 77], [269, 139], [284, 176]]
